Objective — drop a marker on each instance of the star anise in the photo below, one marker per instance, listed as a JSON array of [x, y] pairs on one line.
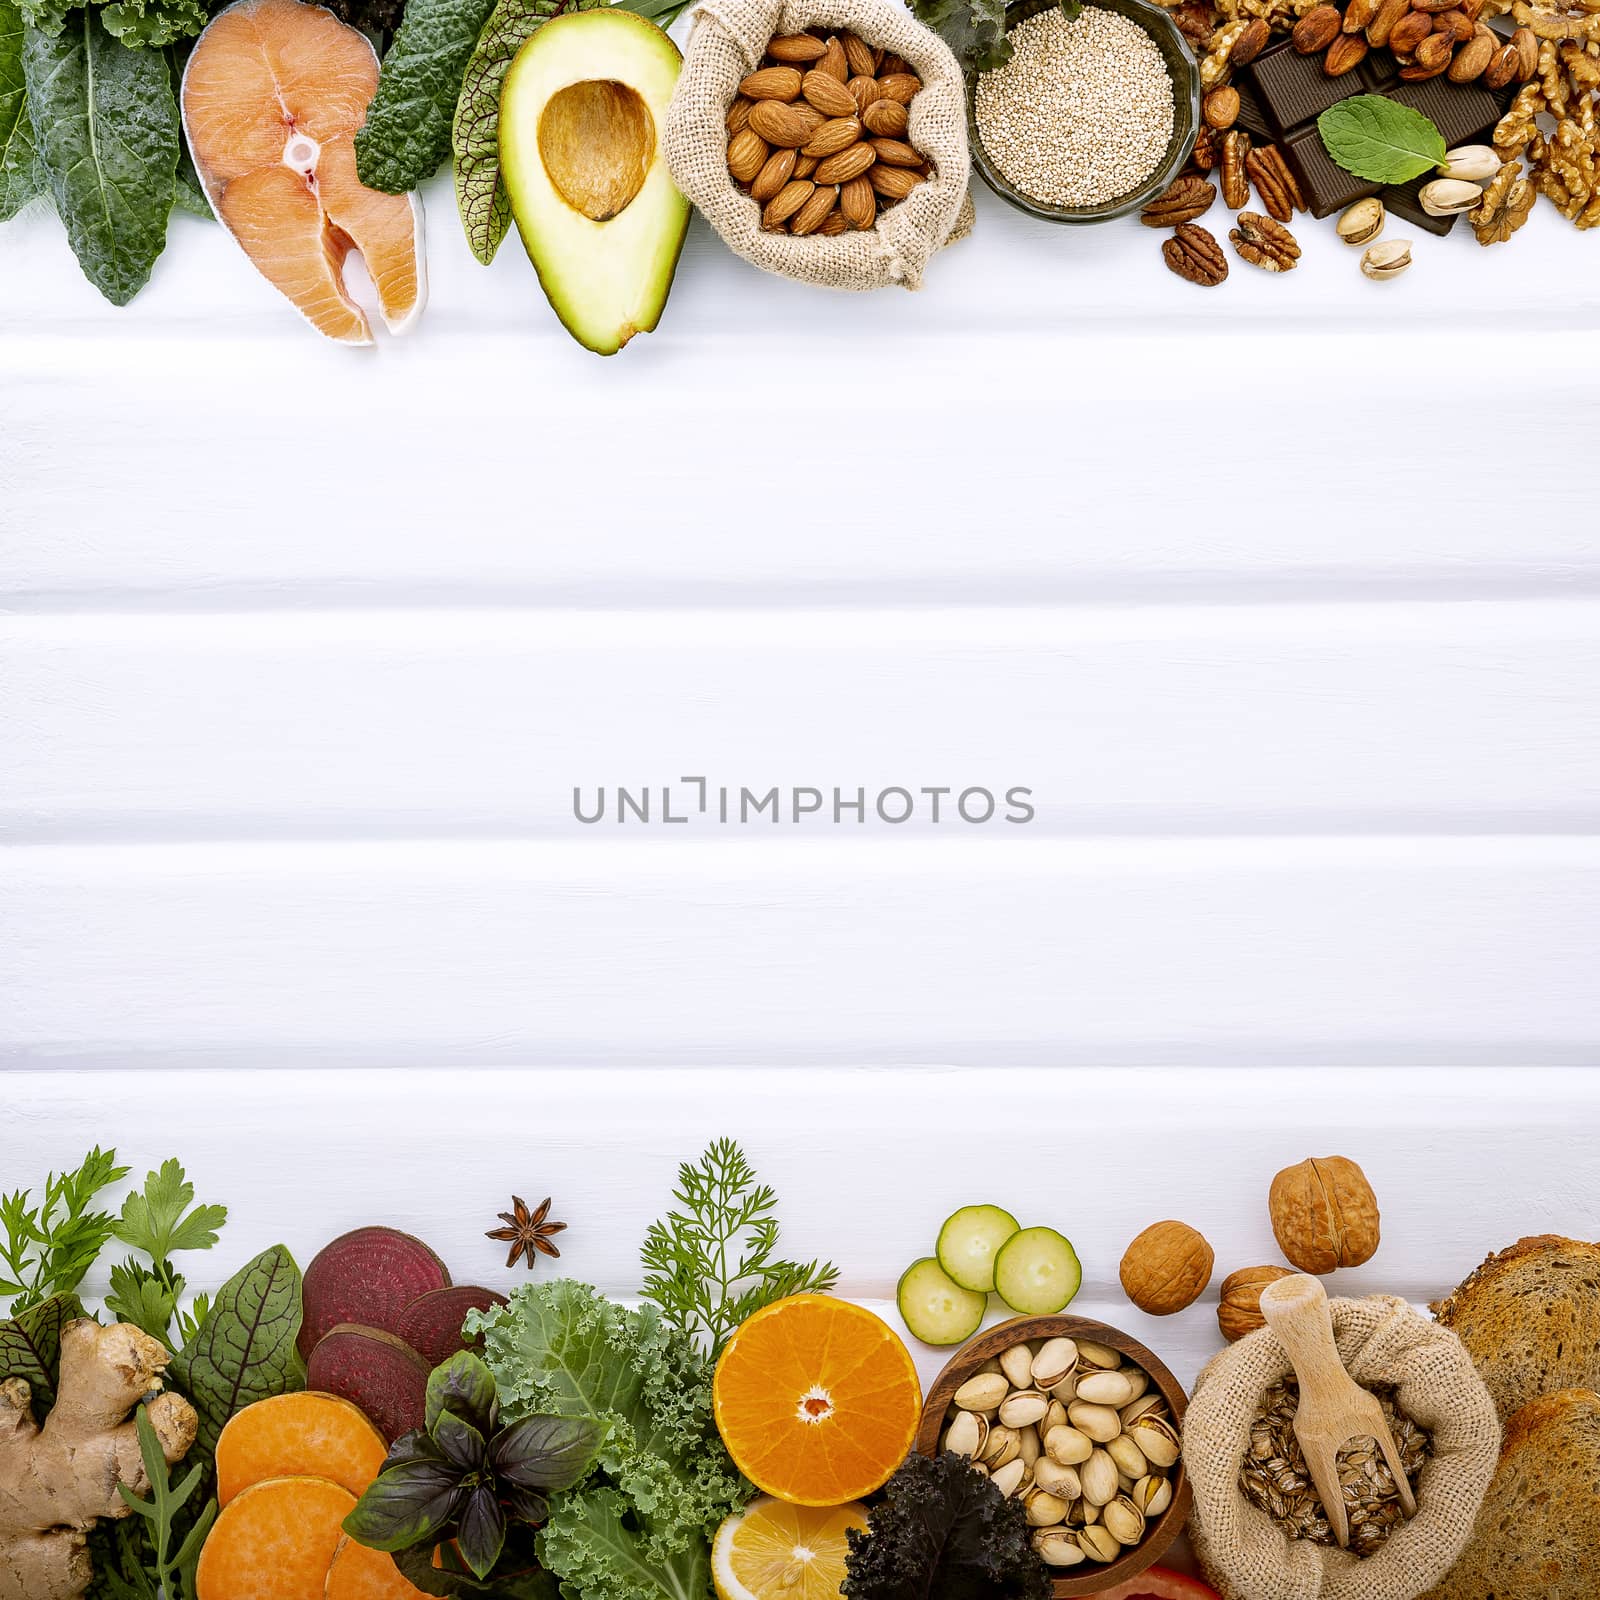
[[527, 1231]]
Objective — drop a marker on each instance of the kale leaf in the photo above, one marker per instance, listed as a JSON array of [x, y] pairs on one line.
[[21, 176], [944, 1532], [974, 29]]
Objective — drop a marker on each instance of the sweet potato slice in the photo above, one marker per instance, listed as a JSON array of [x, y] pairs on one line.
[[431, 1324], [358, 1573], [376, 1371], [368, 1276], [298, 1435], [275, 1541]]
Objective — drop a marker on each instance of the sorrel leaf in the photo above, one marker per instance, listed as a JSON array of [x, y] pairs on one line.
[[107, 126], [407, 133], [1379, 139], [30, 1345], [21, 176]]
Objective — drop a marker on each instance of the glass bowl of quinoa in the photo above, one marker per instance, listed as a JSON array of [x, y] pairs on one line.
[[1091, 117]]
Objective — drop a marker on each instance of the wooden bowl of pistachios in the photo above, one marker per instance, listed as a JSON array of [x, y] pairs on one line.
[[1084, 1425]]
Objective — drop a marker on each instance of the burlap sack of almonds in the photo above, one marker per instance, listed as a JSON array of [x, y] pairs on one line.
[[1247, 1556], [727, 40]]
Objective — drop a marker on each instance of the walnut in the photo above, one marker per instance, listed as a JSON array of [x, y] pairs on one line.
[[1217, 65], [1239, 1310], [1552, 19], [1167, 1268], [1504, 207], [1563, 165], [1324, 1214]]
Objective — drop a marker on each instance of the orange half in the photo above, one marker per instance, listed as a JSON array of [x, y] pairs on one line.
[[817, 1400]]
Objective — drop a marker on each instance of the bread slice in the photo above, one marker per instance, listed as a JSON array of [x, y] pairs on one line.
[[1538, 1534], [1530, 1319]]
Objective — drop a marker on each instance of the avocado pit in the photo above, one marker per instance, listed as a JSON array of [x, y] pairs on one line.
[[597, 140]]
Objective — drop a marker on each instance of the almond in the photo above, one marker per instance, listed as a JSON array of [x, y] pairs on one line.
[[747, 155], [833, 225], [1502, 68], [772, 177], [893, 183], [1250, 43], [901, 86], [832, 137], [858, 204], [894, 63], [896, 153], [1435, 51], [1471, 60], [834, 61], [1456, 23], [847, 164], [781, 124], [1316, 30], [886, 118], [797, 49], [1358, 14], [738, 118], [1345, 54], [804, 166], [786, 202], [1409, 32], [1382, 25], [1527, 52], [1433, 7], [814, 212], [772, 83], [827, 94], [865, 92], [858, 56]]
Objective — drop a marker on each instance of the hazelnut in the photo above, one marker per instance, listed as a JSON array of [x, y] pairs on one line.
[[1325, 1214], [1167, 1268], [1239, 1310]]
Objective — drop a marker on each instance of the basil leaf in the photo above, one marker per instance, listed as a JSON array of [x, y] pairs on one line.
[[30, 1345], [481, 1534], [1379, 139], [462, 1444], [463, 1385], [406, 1505], [245, 1349], [475, 134], [107, 126], [21, 176], [545, 1452], [407, 133]]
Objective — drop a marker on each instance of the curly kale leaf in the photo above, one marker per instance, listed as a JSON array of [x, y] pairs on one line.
[[943, 1530], [974, 29], [139, 24]]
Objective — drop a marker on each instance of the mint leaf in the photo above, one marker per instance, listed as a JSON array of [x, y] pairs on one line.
[[107, 126], [407, 133], [21, 176], [974, 29], [1379, 139], [475, 134]]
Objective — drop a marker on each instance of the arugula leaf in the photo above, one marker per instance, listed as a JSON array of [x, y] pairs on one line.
[[50, 1247], [30, 1345], [245, 1349], [406, 137], [974, 29], [160, 1512], [475, 133], [1379, 139], [108, 133], [710, 1266], [21, 177]]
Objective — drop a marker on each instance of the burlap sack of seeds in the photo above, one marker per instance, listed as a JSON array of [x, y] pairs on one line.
[[1247, 1556], [727, 40]]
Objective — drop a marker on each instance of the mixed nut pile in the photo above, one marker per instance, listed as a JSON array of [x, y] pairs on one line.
[[817, 134], [1076, 1433], [1431, 38]]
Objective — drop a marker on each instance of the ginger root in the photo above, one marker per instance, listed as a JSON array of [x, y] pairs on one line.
[[58, 1480]]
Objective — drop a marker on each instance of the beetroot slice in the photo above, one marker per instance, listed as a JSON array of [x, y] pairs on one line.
[[368, 1277], [431, 1324], [374, 1370]]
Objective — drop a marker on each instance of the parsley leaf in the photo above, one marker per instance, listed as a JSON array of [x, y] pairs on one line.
[[710, 1266], [159, 1222], [50, 1247]]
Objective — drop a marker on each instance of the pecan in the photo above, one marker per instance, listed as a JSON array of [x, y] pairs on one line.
[[1345, 54], [1194, 254], [1222, 108], [1274, 182], [1250, 43], [1187, 198], [1265, 243], [1207, 150], [1235, 179], [1316, 30], [1196, 22]]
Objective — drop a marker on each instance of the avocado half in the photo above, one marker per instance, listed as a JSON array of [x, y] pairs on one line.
[[581, 120]]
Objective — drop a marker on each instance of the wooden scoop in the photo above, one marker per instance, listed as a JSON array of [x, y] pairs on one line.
[[1334, 1408]]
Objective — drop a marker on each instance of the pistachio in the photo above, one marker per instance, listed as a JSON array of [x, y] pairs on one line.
[[1387, 260], [1067, 1389], [1157, 1439], [1024, 1409], [1152, 1495], [1124, 1521], [1008, 1479], [1010, 1450], [1128, 1457], [1017, 1364], [1101, 1423], [1068, 1447], [1057, 1359], [1099, 1478], [1098, 1544], [1030, 1449], [1362, 222], [983, 1392], [1042, 1509], [1444, 197], [1143, 1406], [993, 1451], [1056, 1547], [965, 1435], [1108, 1388], [1056, 1479], [1098, 1355], [1475, 163], [1055, 1417]]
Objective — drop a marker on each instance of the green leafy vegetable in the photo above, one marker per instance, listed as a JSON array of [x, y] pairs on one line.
[[709, 1265], [639, 1526], [189, 196], [943, 1529], [49, 1247], [139, 24], [30, 1345], [974, 29], [108, 133], [21, 176], [1379, 139], [475, 134], [244, 1351], [159, 1222], [165, 1572], [407, 133]]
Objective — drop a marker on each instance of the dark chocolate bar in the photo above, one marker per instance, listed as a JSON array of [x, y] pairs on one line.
[[1290, 91]]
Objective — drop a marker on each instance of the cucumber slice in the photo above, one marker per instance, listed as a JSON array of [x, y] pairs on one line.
[[1037, 1272], [936, 1310], [968, 1242]]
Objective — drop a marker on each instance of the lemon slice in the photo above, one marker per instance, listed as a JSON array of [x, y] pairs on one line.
[[775, 1551]]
